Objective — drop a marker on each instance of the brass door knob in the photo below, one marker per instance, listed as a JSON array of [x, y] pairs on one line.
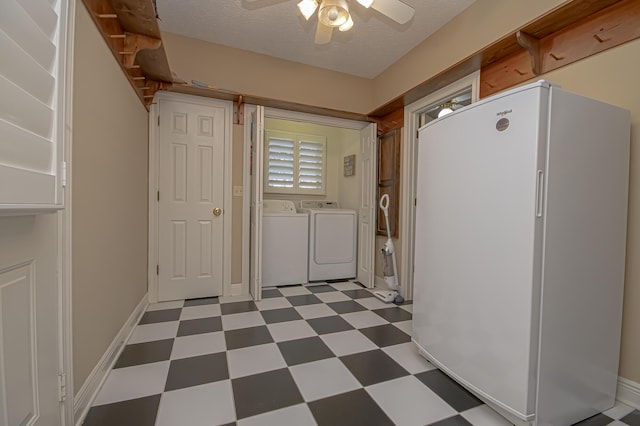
[[217, 211]]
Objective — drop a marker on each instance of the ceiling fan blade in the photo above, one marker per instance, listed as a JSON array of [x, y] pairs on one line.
[[323, 33], [394, 9]]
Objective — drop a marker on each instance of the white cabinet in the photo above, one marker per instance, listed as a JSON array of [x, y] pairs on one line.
[[34, 38]]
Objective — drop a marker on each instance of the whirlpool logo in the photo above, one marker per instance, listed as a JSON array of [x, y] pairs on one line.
[[505, 112]]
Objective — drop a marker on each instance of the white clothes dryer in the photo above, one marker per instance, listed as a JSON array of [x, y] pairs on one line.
[[333, 240], [285, 244]]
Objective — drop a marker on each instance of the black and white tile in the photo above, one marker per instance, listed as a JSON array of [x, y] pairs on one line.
[[330, 354]]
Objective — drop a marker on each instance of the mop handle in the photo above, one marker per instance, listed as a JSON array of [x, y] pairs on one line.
[[384, 205]]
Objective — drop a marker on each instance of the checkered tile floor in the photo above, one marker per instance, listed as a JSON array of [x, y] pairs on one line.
[[328, 355]]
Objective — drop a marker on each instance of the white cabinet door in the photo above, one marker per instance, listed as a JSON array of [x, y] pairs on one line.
[[191, 205], [34, 104], [367, 210], [29, 333]]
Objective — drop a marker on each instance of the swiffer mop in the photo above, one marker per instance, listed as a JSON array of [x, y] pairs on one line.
[[390, 270]]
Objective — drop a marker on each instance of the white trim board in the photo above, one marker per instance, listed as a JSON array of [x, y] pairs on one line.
[[628, 392], [246, 202], [92, 385], [321, 120], [152, 247], [237, 289], [65, 315]]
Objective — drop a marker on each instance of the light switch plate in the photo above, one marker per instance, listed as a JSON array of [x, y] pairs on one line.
[[237, 191]]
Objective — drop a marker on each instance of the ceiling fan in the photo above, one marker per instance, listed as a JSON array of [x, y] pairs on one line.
[[335, 14]]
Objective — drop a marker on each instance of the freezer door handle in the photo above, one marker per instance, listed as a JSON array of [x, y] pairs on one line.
[[539, 193]]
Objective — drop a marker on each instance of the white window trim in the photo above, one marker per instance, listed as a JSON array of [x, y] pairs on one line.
[[297, 139], [409, 170]]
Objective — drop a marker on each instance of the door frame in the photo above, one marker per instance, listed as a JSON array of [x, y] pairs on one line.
[[409, 171], [154, 168], [246, 177]]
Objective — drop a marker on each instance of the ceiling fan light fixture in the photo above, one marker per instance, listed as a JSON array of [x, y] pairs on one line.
[[307, 7], [444, 111], [366, 3], [333, 13], [347, 25]]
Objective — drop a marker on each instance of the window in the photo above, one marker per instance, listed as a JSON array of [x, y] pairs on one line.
[[32, 105], [294, 163]]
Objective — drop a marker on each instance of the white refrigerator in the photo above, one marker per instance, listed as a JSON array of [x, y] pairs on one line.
[[520, 240]]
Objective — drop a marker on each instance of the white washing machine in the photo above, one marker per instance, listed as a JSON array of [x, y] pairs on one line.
[[285, 244], [333, 240]]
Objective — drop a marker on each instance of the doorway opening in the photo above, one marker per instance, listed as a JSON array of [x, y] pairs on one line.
[[289, 180]]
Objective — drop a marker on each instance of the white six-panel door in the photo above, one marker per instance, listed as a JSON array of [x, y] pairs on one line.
[[191, 203]]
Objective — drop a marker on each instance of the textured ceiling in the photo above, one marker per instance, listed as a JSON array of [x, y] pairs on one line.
[[276, 28]]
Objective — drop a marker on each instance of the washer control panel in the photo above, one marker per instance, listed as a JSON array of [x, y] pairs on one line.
[[278, 206]]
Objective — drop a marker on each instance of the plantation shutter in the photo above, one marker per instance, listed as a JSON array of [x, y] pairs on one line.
[[281, 162], [294, 164], [311, 165], [32, 82]]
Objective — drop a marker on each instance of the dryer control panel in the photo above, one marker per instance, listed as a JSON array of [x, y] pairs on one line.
[[313, 204]]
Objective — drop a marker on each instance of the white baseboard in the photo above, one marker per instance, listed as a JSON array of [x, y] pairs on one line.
[[237, 289], [89, 390], [628, 392]]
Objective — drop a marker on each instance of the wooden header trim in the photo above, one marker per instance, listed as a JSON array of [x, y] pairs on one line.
[[613, 26], [130, 29], [266, 102], [510, 60], [568, 33]]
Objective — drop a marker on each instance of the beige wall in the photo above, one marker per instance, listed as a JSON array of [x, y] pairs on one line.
[[109, 206], [612, 77], [484, 22], [349, 190], [236, 220], [259, 75]]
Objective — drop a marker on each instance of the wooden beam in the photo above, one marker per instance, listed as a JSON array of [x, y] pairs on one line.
[[190, 89], [151, 87], [507, 72], [553, 21], [610, 27], [134, 43], [137, 16], [131, 32], [238, 111], [549, 42], [532, 46], [391, 121]]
